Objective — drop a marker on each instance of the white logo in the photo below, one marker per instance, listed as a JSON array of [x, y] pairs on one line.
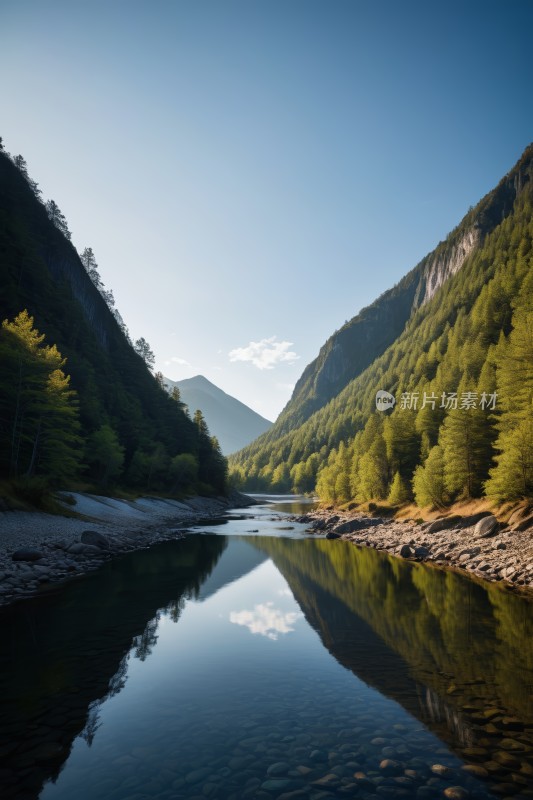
[[384, 400]]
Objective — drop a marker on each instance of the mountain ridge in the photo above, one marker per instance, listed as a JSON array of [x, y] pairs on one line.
[[492, 243], [336, 364], [233, 422]]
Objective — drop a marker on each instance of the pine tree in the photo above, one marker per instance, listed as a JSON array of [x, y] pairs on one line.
[[143, 349], [38, 409], [89, 262], [512, 477], [428, 481], [105, 454], [57, 218], [466, 442], [399, 491]]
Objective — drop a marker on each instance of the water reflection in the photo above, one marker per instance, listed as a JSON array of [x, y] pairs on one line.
[[62, 653], [266, 620], [252, 667], [466, 647]]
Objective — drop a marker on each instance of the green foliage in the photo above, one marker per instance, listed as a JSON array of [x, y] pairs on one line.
[[428, 482], [512, 477], [399, 491], [39, 423], [105, 455]]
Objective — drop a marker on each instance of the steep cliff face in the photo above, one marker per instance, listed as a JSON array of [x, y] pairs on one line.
[[40, 245], [365, 337], [441, 266]]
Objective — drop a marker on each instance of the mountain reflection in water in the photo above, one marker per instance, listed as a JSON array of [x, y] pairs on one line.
[[196, 667]]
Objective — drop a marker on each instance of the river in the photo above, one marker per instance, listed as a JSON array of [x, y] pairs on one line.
[[250, 660]]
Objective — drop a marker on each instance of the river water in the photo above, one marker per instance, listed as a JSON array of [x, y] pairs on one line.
[[252, 661]]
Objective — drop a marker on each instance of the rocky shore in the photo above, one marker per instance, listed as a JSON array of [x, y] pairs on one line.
[[479, 544], [37, 549]]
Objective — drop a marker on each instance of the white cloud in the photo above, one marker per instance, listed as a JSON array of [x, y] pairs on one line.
[[177, 360], [265, 620], [265, 354]]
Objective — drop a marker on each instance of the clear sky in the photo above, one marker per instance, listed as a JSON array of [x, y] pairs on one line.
[[251, 173]]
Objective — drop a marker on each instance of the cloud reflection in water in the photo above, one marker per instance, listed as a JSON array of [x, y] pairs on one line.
[[266, 620]]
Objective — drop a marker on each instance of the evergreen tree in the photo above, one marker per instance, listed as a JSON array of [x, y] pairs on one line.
[[105, 455], [89, 262], [399, 491], [38, 410], [428, 481], [57, 218], [143, 349], [512, 477]]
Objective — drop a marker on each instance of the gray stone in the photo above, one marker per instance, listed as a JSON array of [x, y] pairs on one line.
[[488, 526], [27, 554], [278, 769], [456, 793], [406, 551], [443, 524], [422, 552], [353, 525], [95, 539]]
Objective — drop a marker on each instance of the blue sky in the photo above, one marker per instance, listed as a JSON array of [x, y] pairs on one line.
[[251, 173]]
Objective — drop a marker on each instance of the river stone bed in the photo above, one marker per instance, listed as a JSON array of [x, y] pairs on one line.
[[39, 549], [484, 548], [284, 754]]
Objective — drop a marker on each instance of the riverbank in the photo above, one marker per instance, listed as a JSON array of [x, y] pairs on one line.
[[38, 549], [479, 544]]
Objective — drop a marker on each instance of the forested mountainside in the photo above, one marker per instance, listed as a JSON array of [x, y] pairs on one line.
[[232, 422], [77, 402], [460, 370]]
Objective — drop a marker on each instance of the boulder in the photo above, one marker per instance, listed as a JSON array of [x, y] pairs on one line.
[[27, 554], [333, 535], [421, 551], [472, 519], [95, 539], [444, 523], [406, 551], [486, 527], [352, 525]]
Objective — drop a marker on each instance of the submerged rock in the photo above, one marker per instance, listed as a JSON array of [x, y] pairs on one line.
[[27, 554]]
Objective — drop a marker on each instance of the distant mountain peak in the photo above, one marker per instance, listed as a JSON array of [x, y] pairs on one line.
[[233, 423]]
